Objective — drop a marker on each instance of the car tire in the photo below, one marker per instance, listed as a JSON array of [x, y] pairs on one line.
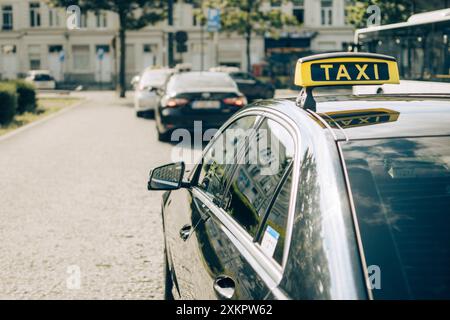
[[151, 114], [168, 283], [148, 114], [163, 137]]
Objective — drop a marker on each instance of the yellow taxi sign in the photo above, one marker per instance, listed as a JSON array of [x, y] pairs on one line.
[[359, 118], [351, 68]]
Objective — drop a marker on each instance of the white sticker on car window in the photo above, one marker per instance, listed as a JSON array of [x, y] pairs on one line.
[[269, 241]]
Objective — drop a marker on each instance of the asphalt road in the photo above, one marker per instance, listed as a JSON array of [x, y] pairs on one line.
[[76, 219]]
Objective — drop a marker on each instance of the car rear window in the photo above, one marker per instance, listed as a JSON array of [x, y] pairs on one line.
[[42, 77], [401, 193], [154, 78], [240, 76], [201, 81]]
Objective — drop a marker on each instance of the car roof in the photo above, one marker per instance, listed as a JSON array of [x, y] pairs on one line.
[[197, 81], [199, 74], [351, 117], [158, 70], [39, 72]]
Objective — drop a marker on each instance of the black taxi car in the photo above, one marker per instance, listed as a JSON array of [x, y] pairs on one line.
[[344, 197]]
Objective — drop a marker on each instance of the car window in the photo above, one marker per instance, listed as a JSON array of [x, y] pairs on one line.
[[401, 192], [241, 76], [274, 229], [154, 78], [219, 160], [192, 81], [42, 77], [261, 168]]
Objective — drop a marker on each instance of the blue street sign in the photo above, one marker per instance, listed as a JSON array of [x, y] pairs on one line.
[[61, 56], [100, 54], [213, 21]]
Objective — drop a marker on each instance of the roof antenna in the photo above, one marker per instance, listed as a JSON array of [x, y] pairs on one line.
[[306, 100]]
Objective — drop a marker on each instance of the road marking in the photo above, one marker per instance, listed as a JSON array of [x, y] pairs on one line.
[[40, 121]]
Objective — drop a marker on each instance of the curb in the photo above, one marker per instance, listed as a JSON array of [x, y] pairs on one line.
[[41, 121]]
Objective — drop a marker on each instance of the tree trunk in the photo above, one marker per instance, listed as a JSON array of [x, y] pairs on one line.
[[248, 39], [248, 34], [122, 36]]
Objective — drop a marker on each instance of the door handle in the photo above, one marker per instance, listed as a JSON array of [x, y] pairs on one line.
[[224, 287], [185, 232]]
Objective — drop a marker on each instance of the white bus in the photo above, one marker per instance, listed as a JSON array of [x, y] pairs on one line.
[[422, 49]]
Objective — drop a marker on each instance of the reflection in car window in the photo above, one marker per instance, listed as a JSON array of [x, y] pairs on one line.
[[401, 191], [219, 160], [274, 230], [258, 174]]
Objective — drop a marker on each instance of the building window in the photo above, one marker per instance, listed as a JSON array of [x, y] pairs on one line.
[[7, 15], [150, 48], [83, 20], [81, 54], [101, 19], [55, 48], [101, 49], [35, 14], [326, 12], [9, 49], [34, 56], [53, 18], [298, 10]]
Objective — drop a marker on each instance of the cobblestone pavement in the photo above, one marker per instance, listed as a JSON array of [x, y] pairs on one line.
[[73, 198]]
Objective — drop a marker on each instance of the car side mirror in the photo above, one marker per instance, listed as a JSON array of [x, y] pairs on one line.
[[167, 177]]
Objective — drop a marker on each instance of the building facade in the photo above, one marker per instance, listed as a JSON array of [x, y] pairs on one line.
[[35, 35]]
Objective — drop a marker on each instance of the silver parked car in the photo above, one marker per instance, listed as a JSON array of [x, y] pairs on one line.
[[146, 94], [41, 79]]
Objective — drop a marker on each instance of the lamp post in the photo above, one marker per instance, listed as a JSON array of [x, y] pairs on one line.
[[170, 40]]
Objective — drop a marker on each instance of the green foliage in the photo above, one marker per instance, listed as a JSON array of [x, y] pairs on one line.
[[26, 96], [245, 16], [8, 102], [135, 14], [391, 11]]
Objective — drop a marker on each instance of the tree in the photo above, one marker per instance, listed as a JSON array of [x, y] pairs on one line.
[[390, 11], [247, 17], [133, 14]]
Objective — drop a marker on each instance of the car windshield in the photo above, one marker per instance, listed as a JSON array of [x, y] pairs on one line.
[[241, 76], [154, 78], [401, 193], [42, 77], [201, 81]]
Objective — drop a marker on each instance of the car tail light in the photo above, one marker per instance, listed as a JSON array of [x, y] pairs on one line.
[[236, 101], [176, 102]]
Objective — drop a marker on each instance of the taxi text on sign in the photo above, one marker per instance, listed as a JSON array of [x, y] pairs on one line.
[[345, 70]]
